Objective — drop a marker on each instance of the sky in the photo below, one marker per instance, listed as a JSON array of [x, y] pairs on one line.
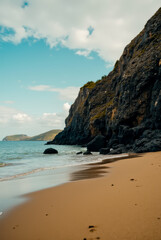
[[51, 48]]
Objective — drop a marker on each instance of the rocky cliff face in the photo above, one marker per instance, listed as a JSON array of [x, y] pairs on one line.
[[124, 106]]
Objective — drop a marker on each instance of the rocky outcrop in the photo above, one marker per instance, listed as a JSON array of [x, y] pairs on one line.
[[96, 144], [50, 151], [125, 106]]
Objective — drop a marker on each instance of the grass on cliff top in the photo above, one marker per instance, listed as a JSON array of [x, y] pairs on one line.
[[90, 84]]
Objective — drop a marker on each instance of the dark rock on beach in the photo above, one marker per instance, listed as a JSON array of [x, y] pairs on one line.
[[50, 151], [87, 153], [96, 144], [104, 150], [123, 107]]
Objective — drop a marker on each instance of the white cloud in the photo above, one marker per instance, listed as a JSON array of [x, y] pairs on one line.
[[13, 116], [21, 117], [84, 53], [66, 107], [8, 102], [40, 88], [52, 120], [104, 26], [46, 115], [67, 94], [6, 114], [13, 121]]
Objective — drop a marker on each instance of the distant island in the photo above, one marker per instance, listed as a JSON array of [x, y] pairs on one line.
[[47, 136]]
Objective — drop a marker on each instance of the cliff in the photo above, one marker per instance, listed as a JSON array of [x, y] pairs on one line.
[[124, 106]]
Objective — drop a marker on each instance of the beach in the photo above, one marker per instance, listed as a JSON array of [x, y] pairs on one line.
[[116, 200]]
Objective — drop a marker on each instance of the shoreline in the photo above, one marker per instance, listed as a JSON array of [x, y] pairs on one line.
[[125, 204], [14, 188]]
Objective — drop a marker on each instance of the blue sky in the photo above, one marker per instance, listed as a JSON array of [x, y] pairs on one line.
[[49, 49], [30, 64]]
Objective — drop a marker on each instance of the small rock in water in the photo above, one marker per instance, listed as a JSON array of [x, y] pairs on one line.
[[50, 151], [79, 153]]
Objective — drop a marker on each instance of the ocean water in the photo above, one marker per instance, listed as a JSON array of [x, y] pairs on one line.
[[24, 169], [19, 159]]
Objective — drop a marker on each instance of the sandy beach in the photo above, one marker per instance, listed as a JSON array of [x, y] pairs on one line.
[[125, 203]]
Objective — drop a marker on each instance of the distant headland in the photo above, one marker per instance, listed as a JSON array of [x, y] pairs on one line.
[[47, 136]]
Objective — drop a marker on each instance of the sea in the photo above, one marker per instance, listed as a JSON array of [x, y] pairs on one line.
[[24, 168]]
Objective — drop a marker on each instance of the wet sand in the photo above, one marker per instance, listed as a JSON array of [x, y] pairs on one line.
[[123, 204]]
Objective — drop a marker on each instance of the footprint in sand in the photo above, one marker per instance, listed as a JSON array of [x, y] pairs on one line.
[[97, 238], [14, 227], [92, 228], [132, 179]]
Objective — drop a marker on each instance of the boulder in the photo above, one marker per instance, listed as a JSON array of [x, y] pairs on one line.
[[96, 144], [119, 149], [148, 146], [50, 151], [104, 150]]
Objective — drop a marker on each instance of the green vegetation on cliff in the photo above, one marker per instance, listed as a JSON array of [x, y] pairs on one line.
[[90, 85]]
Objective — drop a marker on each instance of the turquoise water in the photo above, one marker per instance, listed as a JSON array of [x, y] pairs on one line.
[[23, 158]]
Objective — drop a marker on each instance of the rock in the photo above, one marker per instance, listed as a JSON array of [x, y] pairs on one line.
[[104, 150], [118, 149], [79, 153], [50, 151], [96, 144], [125, 135], [148, 146], [49, 143], [87, 153], [113, 141]]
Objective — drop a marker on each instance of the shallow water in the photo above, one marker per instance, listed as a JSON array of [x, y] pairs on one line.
[[24, 168], [24, 158]]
